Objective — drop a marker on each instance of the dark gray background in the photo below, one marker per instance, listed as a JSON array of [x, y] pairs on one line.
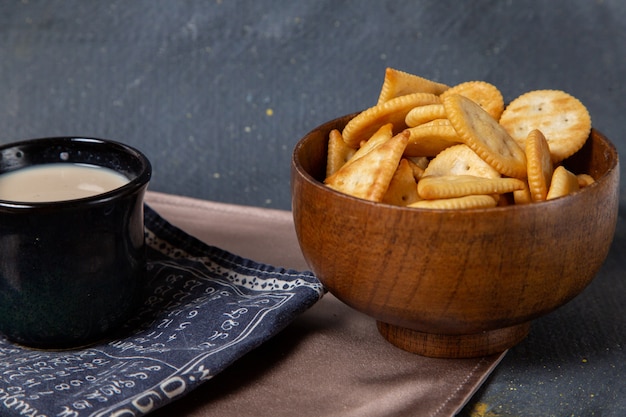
[[217, 93]]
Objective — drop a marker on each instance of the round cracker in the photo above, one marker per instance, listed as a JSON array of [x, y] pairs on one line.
[[450, 186], [481, 132], [538, 165], [430, 139], [424, 114], [394, 111], [460, 160], [457, 203], [562, 118], [486, 95]]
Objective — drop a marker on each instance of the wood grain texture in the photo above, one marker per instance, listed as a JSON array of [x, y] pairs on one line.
[[454, 273]]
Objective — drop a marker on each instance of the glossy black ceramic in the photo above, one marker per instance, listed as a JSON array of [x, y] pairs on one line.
[[71, 271]]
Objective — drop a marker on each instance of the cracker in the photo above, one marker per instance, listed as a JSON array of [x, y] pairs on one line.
[[369, 176], [394, 111], [382, 135], [399, 83], [522, 196], [436, 122], [538, 165], [449, 186], [420, 161], [430, 139], [486, 95], [424, 114], [481, 132], [418, 171], [584, 180], [460, 160], [457, 203], [338, 152], [402, 187], [563, 183], [562, 118]]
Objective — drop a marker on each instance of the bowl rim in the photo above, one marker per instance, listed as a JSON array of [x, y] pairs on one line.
[[297, 167]]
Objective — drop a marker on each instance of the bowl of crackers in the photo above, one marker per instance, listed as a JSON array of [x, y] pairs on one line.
[[452, 219]]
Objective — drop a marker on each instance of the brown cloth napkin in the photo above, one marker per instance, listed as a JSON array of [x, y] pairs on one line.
[[331, 361]]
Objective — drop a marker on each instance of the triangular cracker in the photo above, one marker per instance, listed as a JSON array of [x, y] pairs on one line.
[[460, 160], [403, 187], [563, 183], [585, 180], [338, 152], [418, 171], [399, 83], [382, 135], [369, 176]]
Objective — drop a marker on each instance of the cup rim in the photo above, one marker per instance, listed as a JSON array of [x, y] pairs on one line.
[[134, 184]]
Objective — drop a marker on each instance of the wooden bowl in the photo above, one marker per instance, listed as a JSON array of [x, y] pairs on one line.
[[454, 283]]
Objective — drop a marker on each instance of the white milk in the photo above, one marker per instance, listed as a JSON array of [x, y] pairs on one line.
[[58, 181]]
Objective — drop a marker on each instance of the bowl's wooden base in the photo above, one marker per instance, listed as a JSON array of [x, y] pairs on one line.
[[454, 346]]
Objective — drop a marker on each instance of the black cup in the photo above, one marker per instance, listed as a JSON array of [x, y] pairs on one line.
[[72, 271]]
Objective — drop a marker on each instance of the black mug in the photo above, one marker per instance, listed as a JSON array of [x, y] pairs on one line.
[[71, 271]]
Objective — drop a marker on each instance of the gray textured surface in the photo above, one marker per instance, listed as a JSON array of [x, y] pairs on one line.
[[216, 93]]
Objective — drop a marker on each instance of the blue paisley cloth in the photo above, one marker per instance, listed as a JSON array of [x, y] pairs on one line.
[[204, 309]]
